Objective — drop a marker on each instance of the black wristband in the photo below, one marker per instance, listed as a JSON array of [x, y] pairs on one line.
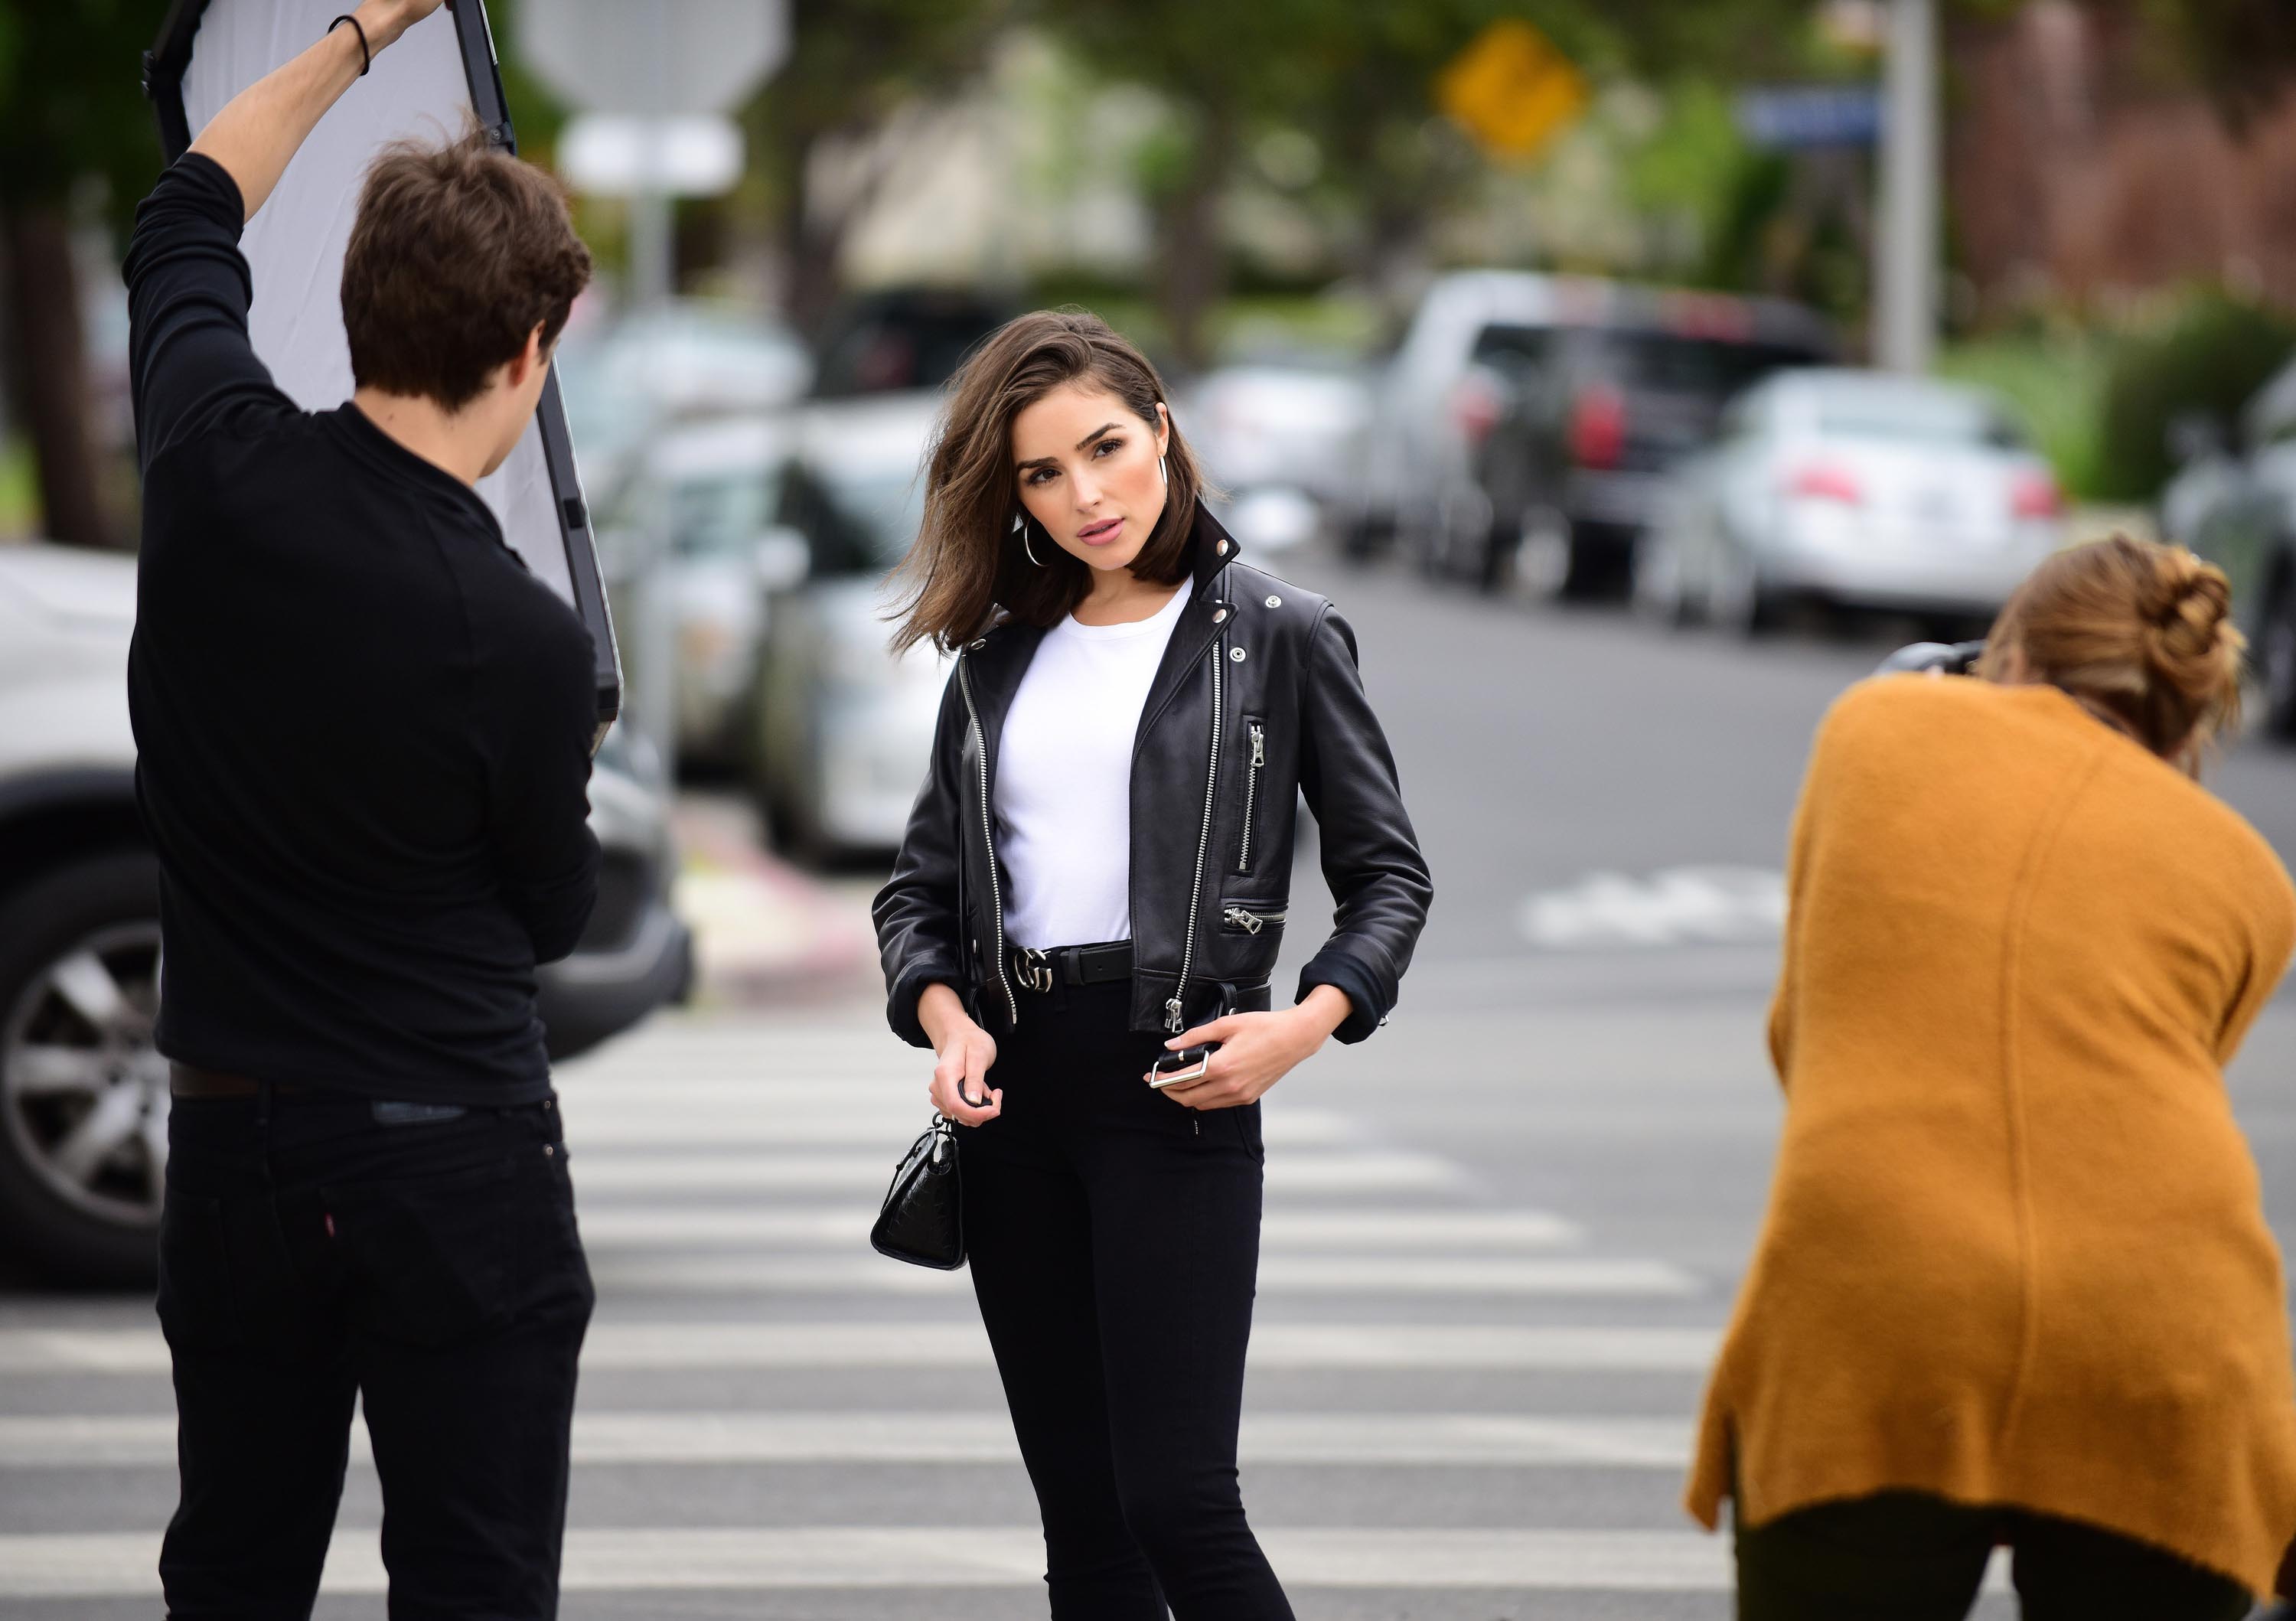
[[367, 57]]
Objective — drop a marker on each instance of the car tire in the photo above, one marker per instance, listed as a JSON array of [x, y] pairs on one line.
[[79, 951], [2275, 662], [1655, 583], [1736, 599], [1547, 566]]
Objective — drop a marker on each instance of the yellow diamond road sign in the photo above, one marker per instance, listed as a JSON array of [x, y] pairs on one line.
[[1511, 90]]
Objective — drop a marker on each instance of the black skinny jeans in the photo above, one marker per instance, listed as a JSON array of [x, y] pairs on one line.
[[1907, 1556], [315, 1249], [1114, 1237]]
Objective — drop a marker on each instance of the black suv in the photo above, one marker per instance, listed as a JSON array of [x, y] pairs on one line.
[[1588, 414]]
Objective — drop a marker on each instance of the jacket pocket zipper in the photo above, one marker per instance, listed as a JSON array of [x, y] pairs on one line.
[[1250, 922], [987, 836], [1258, 730], [1173, 1021]]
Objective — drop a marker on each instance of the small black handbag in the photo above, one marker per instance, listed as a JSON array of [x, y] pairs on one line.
[[922, 1222]]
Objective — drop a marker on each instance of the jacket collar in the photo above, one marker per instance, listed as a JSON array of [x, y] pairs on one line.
[[1206, 615], [1001, 657]]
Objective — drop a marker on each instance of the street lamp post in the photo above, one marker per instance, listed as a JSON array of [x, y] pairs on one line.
[[1906, 243]]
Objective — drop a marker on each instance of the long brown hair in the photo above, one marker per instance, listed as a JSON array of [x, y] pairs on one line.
[[968, 559], [2136, 630]]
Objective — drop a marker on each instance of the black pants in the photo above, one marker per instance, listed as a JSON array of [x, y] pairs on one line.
[[1114, 1237], [318, 1248], [1907, 1556]]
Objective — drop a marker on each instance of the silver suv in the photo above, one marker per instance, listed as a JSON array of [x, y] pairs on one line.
[[83, 1093]]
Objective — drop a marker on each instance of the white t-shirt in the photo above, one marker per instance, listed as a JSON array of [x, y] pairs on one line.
[[1063, 793]]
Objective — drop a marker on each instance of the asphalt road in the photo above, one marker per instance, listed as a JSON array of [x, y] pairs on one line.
[[1502, 1236]]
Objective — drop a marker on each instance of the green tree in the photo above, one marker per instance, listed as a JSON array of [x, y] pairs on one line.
[[72, 118], [853, 64]]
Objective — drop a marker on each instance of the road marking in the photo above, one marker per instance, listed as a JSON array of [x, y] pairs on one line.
[[777, 1557], [665, 1347], [766, 1173], [1697, 904], [1279, 1274], [606, 1439]]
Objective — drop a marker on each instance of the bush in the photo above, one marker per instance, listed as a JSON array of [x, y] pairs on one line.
[[2215, 354]]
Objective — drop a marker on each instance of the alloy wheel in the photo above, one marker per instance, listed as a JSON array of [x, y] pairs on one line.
[[83, 1087]]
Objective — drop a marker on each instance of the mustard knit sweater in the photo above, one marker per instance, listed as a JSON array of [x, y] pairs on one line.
[[2016, 1252]]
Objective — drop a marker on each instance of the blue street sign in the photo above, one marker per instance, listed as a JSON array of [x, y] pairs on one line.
[[1811, 115]]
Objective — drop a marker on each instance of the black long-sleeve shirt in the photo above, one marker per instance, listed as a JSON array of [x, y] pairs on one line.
[[363, 727]]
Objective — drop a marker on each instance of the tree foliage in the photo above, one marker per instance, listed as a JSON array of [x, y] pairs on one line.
[[71, 99]]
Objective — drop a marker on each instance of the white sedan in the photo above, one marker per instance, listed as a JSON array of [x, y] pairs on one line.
[[1858, 489]]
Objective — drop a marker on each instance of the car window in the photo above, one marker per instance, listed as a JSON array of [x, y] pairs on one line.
[[1514, 347], [1711, 368], [854, 523], [721, 516], [1915, 416]]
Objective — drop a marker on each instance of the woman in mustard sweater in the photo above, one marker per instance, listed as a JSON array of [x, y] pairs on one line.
[[2015, 1284]]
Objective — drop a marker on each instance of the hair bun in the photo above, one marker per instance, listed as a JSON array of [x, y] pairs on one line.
[[2196, 600]]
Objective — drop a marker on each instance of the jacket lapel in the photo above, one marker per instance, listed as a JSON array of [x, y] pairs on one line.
[[1202, 621]]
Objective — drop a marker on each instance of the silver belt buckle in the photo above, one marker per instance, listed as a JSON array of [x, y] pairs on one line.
[[1035, 969]]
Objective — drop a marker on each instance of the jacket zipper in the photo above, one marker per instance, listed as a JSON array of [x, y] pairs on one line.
[[1249, 921], [1172, 1019], [987, 836], [1251, 791]]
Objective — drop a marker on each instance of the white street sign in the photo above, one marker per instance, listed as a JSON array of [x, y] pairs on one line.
[[661, 58], [608, 155]]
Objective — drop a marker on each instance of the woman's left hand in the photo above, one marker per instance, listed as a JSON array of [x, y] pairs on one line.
[[1256, 1049]]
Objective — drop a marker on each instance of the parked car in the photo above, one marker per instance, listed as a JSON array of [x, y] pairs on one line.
[[2236, 506], [693, 521], [624, 380], [898, 339], [1278, 432], [1592, 415], [1858, 489], [845, 728], [83, 1092], [1486, 347]]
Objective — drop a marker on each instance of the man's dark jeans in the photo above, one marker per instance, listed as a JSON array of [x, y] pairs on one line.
[[318, 1248]]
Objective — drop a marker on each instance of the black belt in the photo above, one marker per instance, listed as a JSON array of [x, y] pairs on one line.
[[187, 1081], [1041, 970]]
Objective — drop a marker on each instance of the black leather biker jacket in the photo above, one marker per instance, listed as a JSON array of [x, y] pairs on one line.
[[1257, 701]]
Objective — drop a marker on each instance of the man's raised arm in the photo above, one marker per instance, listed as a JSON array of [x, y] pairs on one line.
[[189, 362], [259, 130]]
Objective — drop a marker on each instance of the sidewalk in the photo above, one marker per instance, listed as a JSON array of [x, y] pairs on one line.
[[764, 932]]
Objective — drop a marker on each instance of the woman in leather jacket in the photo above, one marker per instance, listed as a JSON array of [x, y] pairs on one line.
[[1095, 877]]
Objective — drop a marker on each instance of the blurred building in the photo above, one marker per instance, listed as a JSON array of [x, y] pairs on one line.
[[2083, 164]]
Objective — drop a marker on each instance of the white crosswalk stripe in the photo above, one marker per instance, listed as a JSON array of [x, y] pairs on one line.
[[1351, 1439], [727, 1174]]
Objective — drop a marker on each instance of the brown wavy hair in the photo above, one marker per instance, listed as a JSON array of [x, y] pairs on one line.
[[968, 560], [2137, 630], [458, 252]]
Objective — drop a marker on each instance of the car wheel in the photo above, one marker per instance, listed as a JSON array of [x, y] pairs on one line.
[[1657, 587], [83, 1088], [2276, 663], [1546, 561], [1736, 599]]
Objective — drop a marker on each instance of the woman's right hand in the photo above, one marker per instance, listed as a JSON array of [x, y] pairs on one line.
[[965, 1051]]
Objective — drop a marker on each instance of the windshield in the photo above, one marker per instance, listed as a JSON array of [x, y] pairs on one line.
[[1915, 416]]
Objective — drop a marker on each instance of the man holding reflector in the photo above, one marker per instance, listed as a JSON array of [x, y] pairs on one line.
[[364, 733]]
